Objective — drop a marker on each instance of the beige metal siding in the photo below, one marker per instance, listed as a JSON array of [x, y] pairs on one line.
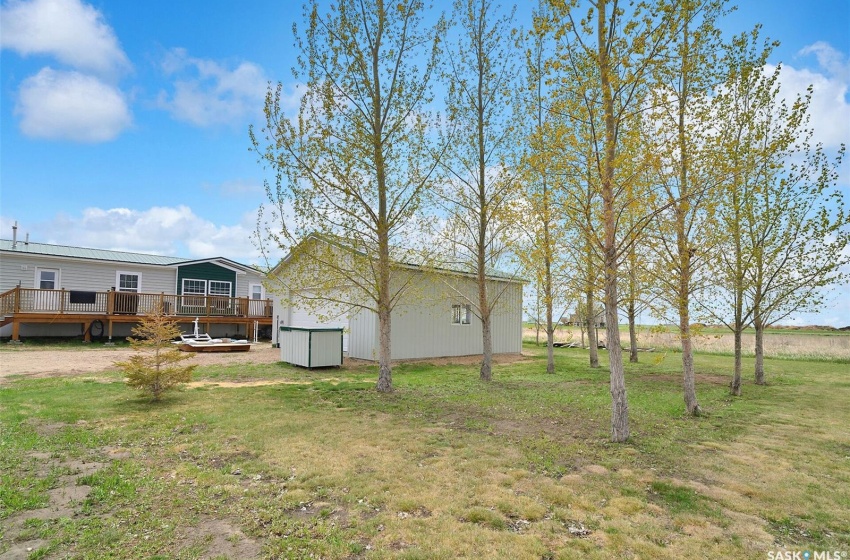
[[422, 326], [363, 338]]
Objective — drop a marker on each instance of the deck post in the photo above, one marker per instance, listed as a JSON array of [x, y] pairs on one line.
[[18, 298], [16, 330], [110, 303], [109, 341], [86, 334]]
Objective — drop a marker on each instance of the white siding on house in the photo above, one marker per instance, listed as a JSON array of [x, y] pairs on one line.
[[78, 274], [243, 281]]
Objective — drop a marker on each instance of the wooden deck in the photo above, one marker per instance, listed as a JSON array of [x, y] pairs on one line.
[[32, 306]]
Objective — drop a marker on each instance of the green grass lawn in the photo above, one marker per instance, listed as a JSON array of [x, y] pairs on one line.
[[446, 467]]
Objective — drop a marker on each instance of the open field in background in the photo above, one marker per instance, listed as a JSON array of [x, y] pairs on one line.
[[271, 461], [777, 343]]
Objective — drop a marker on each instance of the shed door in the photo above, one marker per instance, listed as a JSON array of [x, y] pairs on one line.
[[303, 318]]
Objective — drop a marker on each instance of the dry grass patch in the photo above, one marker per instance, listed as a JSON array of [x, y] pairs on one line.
[[300, 464]]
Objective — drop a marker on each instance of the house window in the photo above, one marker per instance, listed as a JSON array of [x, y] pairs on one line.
[[461, 314], [219, 288], [194, 287], [128, 282], [47, 279], [194, 292], [256, 291]]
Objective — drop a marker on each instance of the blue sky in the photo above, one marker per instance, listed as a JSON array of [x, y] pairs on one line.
[[123, 125]]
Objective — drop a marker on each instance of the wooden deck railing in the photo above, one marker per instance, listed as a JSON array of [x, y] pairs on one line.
[[30, 300]]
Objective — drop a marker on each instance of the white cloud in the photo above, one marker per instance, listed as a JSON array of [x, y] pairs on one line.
[[209, 93], [73, 32], [68, 105], [830, 59], [829, 110], [161, 230]]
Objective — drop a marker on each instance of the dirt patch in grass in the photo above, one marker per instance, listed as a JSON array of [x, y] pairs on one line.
[[210, 538], [218, 538], [64, 500], [706, 378], [448, 361], [39, 363], [265, 382]]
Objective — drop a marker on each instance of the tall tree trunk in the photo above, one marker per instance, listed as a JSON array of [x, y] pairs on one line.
[[683, 247], [484, 218], [683, 298], [592, 343], [738, 289], [549, 297], [487, 359], [550, 340], [385, 376], [688, 378], [736, 378], [633, 352], [619, 402], [759, 326]]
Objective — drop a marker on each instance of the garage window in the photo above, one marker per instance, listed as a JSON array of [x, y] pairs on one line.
[[461, 314]]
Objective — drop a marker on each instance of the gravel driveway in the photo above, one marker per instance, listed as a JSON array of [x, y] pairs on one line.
[[56, 362]]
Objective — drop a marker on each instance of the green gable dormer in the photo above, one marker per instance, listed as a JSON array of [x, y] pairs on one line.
[[206, 278]]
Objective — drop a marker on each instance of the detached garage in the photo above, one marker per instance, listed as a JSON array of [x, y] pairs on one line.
[[432, 319]]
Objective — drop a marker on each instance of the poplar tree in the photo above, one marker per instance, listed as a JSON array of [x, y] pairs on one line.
[[541, 252], [687, 185], [755, 129], [610, 55], [356, 162], [800, 233], [482, 183]]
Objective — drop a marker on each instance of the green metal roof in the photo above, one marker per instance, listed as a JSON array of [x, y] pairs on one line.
[[86, 253]]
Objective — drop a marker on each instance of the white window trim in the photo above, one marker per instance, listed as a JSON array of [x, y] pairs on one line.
[[37, 280], [229, 288], [118, 274], [251, 291], [465, 319], [183, 287]]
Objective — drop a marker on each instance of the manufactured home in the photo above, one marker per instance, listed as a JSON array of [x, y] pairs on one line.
[[57, 290], [434, 316]]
